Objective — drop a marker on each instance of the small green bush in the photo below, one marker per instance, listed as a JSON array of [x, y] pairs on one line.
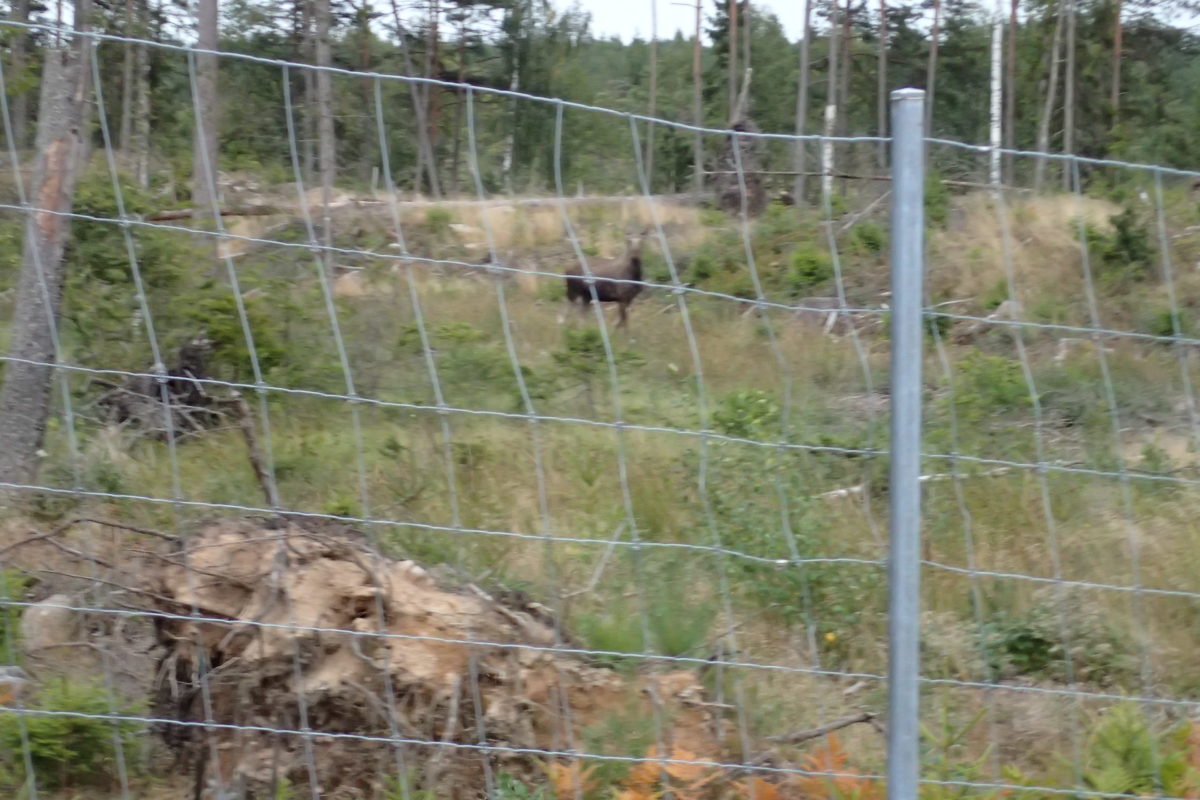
[[809, 267], [868, 237], [13, 586], [1125, 252], [70, 750]]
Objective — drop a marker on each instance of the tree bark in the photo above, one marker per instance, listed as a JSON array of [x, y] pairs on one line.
[[747, 21], [831, 107], [843, 103], [882, 100], [425, 164], [733, 59], [125, 133], [801, 151], [1069, 92], [16, 74], [25, 401], [1010, 96], [1118, 43], [204, 175], [653, 93], [141, 124], [327, 156], [310, 96], [698, 109], [995, 115], [1043, 133], [931, 67]]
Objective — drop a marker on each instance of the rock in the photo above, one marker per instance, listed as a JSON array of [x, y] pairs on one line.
[[47, 624]]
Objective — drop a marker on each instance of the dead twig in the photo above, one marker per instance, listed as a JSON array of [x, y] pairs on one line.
[[798, 737]]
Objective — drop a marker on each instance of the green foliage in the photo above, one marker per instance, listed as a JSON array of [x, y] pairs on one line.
[[510, 788], [937, 200], [438, 221], [217, 314], [810, 267], [987, 385], [747, 413], [1125, 252], [869, 237], [69, 750], [1058, 638], [13, 586], [1126, 755]]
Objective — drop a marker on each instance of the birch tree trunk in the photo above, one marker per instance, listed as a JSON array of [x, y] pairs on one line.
[[141, 117], [801, 151], [1043, 133], [327, 156], [831, 107], [25, 401]]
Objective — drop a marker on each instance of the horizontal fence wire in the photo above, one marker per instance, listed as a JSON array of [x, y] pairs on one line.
[[818, 575]]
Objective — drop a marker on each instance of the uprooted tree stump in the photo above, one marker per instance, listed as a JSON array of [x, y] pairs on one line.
[[310, 629]]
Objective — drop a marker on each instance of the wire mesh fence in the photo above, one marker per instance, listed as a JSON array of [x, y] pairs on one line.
[[340, 497]]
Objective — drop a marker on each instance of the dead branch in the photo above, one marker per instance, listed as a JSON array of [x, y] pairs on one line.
[[253, 452], [244, 211], [798, 737]]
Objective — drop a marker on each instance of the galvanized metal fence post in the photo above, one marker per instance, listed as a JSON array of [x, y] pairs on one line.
[[904, 563]]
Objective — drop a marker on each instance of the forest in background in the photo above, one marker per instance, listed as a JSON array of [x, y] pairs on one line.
[[1113, 79]]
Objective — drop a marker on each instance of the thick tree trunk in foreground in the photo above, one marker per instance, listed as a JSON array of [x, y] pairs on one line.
[[1043, 133], [25, 400]]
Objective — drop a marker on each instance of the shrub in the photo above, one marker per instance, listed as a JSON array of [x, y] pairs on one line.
[[868, 237], [1125, 252], [13, 586], [70, 749], [809, 267]]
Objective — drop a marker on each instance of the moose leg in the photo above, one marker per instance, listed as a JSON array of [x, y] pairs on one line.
[[623, 308]]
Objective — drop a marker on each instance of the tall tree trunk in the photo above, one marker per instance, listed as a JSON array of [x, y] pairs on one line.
[[1069, 93], [697, 109], [1043, 132], [882, 99], [1010, 97], [425, 164], [801, 151], [140, 145], [25, 401], [458, 108], [931, 68], [308, 54], [16, 74], [831, 106], [733, 58], [369, 143], [653, 92], [327, 156], [843, 103], [1118, 43], [747, 21], [125, 133], [204, 175], [433, 94], [995, 115]]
